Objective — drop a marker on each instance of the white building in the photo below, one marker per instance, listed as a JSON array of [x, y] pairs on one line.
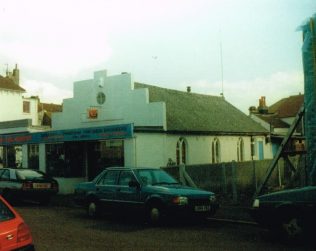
[[111, 120]]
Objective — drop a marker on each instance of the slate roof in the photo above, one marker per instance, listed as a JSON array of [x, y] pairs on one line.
[[273, 119], [193, 112], [8, 84], [287, 107], [49, 107]]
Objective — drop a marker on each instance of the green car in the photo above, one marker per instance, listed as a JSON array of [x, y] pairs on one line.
[[147, 191], [291, 212]]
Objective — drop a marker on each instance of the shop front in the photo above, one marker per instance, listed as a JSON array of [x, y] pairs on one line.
[[69, 155]]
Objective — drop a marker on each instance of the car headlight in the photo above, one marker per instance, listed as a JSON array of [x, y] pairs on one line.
[[180, 200], [256, 203], [212, 198]]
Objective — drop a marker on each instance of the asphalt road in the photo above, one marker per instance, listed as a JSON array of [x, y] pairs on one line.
[[62, 229]]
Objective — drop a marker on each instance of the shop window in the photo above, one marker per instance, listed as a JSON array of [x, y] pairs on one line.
[[112, 153], [33, 156], [1, 156], [216, 151], [12, 156], [104, 154], [26, 107], [181, 151], [55, 160], [240, 150]]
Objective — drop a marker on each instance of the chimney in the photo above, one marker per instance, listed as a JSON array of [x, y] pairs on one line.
[[262, 108], [252, 109], [16, 75], [188, 89]]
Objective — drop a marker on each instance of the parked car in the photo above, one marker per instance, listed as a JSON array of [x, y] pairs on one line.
[[14, 233], [27, 184], [147, 191], [290, 212]]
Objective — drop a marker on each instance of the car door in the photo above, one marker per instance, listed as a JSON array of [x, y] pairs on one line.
[[127, 197], [106, 188], [7, 181], [8, 228]]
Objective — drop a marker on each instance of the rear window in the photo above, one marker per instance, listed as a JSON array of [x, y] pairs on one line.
[[5, 212], [29, 174]]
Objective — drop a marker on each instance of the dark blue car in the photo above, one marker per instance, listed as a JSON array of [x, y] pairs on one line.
[[148, 191]]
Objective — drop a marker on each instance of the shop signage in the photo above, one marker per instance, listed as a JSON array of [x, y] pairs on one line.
[[92, 113], [93, 133]]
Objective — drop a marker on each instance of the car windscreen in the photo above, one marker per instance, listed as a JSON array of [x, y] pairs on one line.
[[155, 177], [28, 174], [5, 212]]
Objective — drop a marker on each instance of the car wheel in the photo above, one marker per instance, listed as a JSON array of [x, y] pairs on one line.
[[92, 209], [155, 214], [291, 226]]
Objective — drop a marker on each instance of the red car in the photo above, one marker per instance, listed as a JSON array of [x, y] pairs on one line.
[[14, 233]]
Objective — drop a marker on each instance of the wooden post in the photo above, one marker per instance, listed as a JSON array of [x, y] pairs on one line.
[[224, 179], [234, 181]]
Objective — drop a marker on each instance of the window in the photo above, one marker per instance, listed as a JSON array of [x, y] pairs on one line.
[[5, 175], [5, 212], [26, 107], [216, 150], [33, 159], [109, 178], [240, 150], [125, 178], [181, 151], [55, 160]]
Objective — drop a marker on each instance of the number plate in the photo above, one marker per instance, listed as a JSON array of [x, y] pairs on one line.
[[202, 208], [41, 185]]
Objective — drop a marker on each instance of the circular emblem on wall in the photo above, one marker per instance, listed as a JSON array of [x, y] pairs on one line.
[[101, 98]]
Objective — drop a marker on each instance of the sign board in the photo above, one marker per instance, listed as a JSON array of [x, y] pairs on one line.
[[81, 134]]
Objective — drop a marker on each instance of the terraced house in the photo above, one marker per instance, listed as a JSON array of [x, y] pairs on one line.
[[113, 120]]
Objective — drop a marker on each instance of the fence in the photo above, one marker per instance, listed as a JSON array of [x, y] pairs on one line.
[[234, 181]]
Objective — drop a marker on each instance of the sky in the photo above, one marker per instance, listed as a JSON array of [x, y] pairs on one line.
[[244, 49]]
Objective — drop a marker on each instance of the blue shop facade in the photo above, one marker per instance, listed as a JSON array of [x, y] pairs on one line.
[[71, 155]]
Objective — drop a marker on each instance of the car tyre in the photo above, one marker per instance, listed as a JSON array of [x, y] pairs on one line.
[[155, 214], [292, 226], [92, 209]]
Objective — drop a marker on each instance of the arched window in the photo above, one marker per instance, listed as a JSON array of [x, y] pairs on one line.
[[240, 150], [181, 151], [216, 151]]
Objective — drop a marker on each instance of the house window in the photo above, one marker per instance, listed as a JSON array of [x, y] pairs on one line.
[[181, 151], [216, 151], [26, 106], [240, 150]]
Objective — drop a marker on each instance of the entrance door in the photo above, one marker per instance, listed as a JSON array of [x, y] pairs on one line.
[[103, 154]]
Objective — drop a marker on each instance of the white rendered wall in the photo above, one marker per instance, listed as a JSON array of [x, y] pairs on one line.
[[12, 105], [123, 104], [33, 114], [154, 149]]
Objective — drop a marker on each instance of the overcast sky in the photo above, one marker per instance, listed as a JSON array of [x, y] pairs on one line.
[[168, 43]]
